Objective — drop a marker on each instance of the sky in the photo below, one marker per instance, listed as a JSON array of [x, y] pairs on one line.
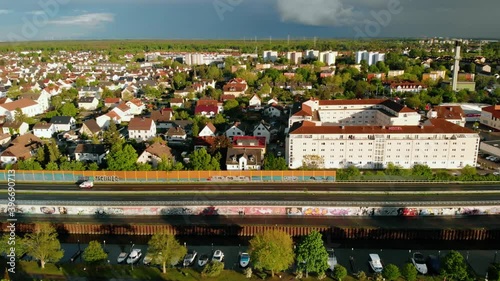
[[29, 20]]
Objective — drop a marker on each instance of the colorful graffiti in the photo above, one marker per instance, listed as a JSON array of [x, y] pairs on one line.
[[257, 211]]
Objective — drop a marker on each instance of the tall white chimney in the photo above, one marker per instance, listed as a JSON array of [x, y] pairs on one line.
[[456, 66]]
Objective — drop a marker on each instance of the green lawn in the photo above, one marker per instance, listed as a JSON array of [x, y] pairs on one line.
[[31, 271]]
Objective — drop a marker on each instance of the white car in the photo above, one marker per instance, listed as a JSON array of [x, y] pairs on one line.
[[332, 259], [418, 261], [134, 256], [148, 258], [87, 184], [122, 257], [376, 263], [218, 256], [244, 260], [202, 260], [190, 258]]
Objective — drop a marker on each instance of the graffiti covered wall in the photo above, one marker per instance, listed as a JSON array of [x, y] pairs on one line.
[[257, 211]]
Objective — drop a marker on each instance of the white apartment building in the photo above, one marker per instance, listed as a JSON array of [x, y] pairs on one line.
[[270, 56], [312, 54], [490, 116], [328, 57], [365, 112], [294, 57], [369, 57], [438, 144]]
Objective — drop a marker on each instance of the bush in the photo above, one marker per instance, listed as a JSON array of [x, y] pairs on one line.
[[391, 272], [409, 272], [321, 275], [213, 269], [248, 272]]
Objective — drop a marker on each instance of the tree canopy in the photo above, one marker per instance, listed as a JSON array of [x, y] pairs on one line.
[[272, 250], [311, 254], [166, 250], [43, 245], [94, 253]]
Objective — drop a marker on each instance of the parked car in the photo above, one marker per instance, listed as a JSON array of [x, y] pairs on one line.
[[434, 264], [134, 256], [218, 256], [244, 260], [202, 260], [148, 258], [418, 261], [375, 263], [332, 259], [122, 257], [190, 258]]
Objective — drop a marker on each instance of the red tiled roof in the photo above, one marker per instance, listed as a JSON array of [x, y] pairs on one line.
[[138, 123], [494, 110], [21, 103], [449, 112], [206, 108], [437, 126], [304, 111]]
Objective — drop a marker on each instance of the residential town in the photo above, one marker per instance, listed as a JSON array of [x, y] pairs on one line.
[[272, 110]]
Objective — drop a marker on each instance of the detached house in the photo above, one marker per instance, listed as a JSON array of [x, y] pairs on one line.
[[208, 131], [90, 128], [235, 130], [153, 154], [176, 134], [63, 123], [22, 148], [88, 103], [141, 129], [28, 107], [44, 130], [162, 117], [112, 102], [453, 114], [255, 101], [236, 87], [243, 159], [262, 130], [43, 99], [90, 152], [136, 106], [206, 110], [15, 127]]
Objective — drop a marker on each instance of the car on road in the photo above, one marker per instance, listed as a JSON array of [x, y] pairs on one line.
[[278, 154], [190, 258], [134, 256], [87, 184], [218, 256]]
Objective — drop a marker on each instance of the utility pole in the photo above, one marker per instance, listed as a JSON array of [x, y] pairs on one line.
[[270, 40], [288, 41], [315, 42]]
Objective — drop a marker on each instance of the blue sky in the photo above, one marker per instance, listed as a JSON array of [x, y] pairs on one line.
[[236, 19]]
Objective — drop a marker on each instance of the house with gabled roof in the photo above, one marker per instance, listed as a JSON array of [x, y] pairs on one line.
[[141, 129], [42, 98], [243, 159], [154, 153], [22, 147], [28, 107], [262, 130], [451, 113], [136, 106], [44, 130], [255, 101], [88, 103], [112, 102], [236, 129], [176, 134], [14, 127], [63, 123], [236, 87], [208, 131], [90, 152], [90, 128]]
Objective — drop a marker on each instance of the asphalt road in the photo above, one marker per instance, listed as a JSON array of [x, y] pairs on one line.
[[465, 222], [268, 187]]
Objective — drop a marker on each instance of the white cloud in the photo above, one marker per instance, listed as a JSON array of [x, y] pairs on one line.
[[85, 19], [319, 12], [4, 12], [35, 13]]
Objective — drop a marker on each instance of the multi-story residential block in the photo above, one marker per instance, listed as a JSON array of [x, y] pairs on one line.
[[294, 57], [355, 112], [270, 56], [453, 114], [369, 57], [437, 143], [328, 57], [490, 116]]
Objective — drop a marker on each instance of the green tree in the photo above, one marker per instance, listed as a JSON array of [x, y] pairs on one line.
[[68, 109], [166, 250], [421, 170], [52, 151], [29, 165], [453, 267], [20, 116], [200, 160], [94, 254], [219, 119], [311, 254], [51, 166], [272, 250], [212, 269], [409, 272], [391, 272], [43, 245], [122, 159], [93, 166], [230, 105], [272, 163], [9, 244], [72, 165], [339, 272]]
